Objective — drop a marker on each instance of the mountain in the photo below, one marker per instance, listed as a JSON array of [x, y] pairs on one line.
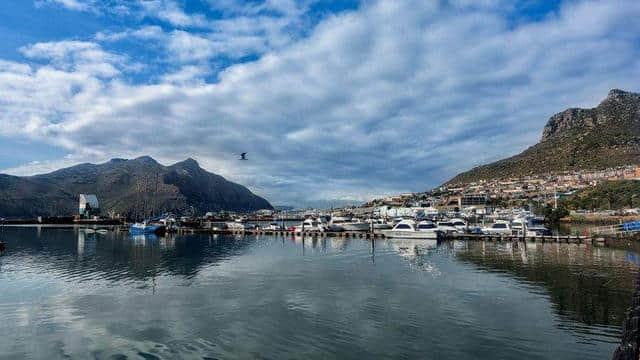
[[125, 187], [590, 139]]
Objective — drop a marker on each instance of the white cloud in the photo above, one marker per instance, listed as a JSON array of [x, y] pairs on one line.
[[396, 96], [78, 5], [82, 56], [188, 47], [169, 11], [151, 32], [187, 74]]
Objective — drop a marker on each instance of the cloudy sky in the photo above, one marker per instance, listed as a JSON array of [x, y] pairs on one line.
[[331, 99]]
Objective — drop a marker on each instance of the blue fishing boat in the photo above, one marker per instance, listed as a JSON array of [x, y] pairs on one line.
[[145, 228]]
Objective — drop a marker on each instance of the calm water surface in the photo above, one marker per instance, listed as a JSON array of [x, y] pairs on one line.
[[67, 294]]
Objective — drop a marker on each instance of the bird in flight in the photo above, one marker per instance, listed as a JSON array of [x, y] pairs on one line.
[[243, 156]]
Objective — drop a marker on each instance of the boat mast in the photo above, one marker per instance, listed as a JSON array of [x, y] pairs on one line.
[[155, 199]]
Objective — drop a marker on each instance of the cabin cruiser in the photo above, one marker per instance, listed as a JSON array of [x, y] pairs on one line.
[[379, 224], [355, 225], [499, 227], [274, 226], [428, 226], [518, 224], [313, 224], [447, 227], [528, 227], [459, 224], [238, 226], [336, 222], [408, 229]]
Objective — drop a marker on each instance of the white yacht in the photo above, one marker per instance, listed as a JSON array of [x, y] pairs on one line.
[[313, 224], [428, 226], [518, 224], [336, 222], [355, 225], [379, 224], [499, 227], [459, 224], [274, 226], [526, 226], [447, 227], [408, 229]]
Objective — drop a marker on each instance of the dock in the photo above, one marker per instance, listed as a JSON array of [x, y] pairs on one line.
[[570, 239]]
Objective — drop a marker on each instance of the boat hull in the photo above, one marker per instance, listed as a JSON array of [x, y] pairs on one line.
[[147, 230], [355, 226]]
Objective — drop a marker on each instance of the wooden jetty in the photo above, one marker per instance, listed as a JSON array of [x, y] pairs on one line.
[[571, 239]]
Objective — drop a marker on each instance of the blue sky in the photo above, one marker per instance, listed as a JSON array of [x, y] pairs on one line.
[[333, 100]]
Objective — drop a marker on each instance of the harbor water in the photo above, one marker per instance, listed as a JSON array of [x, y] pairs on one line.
[[66, 293]]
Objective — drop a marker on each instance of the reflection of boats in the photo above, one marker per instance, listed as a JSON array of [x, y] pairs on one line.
[[408, 229], [144, 239], [415, 250], [144, 228], [413, 247], [102, 231]]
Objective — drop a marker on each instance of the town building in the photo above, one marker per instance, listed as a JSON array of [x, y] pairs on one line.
[[88, 206]]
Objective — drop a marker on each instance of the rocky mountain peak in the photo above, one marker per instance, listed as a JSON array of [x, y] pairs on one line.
[[188, 164], [605, 136], [621, 95], [576, 121]]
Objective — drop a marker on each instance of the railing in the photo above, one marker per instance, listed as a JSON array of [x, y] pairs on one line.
[[618, 229]]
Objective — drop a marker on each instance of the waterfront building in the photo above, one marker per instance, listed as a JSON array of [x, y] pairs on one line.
[[88, 205]]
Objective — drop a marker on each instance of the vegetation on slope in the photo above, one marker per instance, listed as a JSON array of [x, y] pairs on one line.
[[609, 195]]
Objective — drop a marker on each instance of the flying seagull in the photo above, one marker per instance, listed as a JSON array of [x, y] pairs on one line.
[[243, 156]]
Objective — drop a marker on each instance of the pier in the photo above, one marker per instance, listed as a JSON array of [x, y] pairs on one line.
[[570, 239]]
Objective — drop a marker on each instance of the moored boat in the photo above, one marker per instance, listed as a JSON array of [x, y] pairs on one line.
[[313, 225], [379, 224], [408, 229], [145, 228], [273, 226], [356, 225], [499, 227], [336, 222]]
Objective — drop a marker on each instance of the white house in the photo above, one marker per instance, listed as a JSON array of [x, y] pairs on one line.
[[89, 205]]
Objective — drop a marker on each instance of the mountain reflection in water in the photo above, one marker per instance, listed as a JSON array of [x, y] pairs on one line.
[[589, 284]]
